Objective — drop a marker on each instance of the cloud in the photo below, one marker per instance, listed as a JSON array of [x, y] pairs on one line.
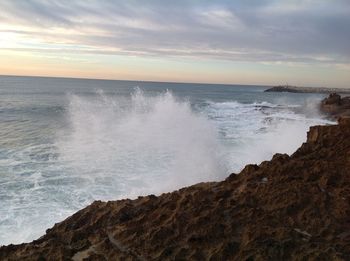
[[291, 31]]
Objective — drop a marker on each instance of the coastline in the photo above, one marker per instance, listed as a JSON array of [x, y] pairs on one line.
[[295, 89], [288, 208]]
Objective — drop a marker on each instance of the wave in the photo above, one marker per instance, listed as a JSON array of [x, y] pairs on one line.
[[157, 141], [253, 132]]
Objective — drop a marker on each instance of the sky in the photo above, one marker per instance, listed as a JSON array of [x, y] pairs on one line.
[[267, 42]]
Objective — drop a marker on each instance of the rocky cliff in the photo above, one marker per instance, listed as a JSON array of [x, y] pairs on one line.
[[290, 208]]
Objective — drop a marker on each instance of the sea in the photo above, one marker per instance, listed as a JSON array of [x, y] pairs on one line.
[[67, 142]]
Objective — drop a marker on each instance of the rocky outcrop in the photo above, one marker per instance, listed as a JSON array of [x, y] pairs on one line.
[[284, 88], [336, 106], [290, 208], [295, 89]]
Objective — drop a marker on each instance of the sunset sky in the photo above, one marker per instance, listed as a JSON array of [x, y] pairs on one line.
[[300, 42]]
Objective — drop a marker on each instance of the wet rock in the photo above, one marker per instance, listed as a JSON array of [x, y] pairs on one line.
[[336, 106], [333, 98]]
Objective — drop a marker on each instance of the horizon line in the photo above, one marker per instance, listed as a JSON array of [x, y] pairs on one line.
[[128, 80], [153, 81]]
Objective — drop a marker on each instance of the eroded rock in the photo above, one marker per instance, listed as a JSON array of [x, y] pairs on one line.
[[336, 106]]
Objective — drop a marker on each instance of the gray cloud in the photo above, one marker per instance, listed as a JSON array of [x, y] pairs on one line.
[[309, 31]]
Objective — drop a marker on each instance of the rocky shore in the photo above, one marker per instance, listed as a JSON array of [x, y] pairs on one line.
[[336, 106], [289, 208], [295, 89]]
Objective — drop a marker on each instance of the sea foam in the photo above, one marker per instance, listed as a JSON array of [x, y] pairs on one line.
[[140, 145]]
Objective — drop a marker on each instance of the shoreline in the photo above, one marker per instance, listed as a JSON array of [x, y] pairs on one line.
[[291, 207], [295, 89]]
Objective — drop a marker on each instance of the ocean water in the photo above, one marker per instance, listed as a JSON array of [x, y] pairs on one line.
[[67, 142]]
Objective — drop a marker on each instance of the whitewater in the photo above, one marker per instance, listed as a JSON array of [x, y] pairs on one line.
[[67, 142]]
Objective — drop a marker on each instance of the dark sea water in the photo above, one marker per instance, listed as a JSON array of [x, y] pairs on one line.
[[67, 142]]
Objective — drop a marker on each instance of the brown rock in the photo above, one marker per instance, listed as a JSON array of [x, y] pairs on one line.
[[333, 98], [345, 120], [336, 106]]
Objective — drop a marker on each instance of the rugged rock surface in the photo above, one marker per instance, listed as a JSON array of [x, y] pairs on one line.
[[336, 106], [290, 208]]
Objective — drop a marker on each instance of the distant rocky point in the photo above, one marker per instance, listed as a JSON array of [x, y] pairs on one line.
[[295, 89]]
